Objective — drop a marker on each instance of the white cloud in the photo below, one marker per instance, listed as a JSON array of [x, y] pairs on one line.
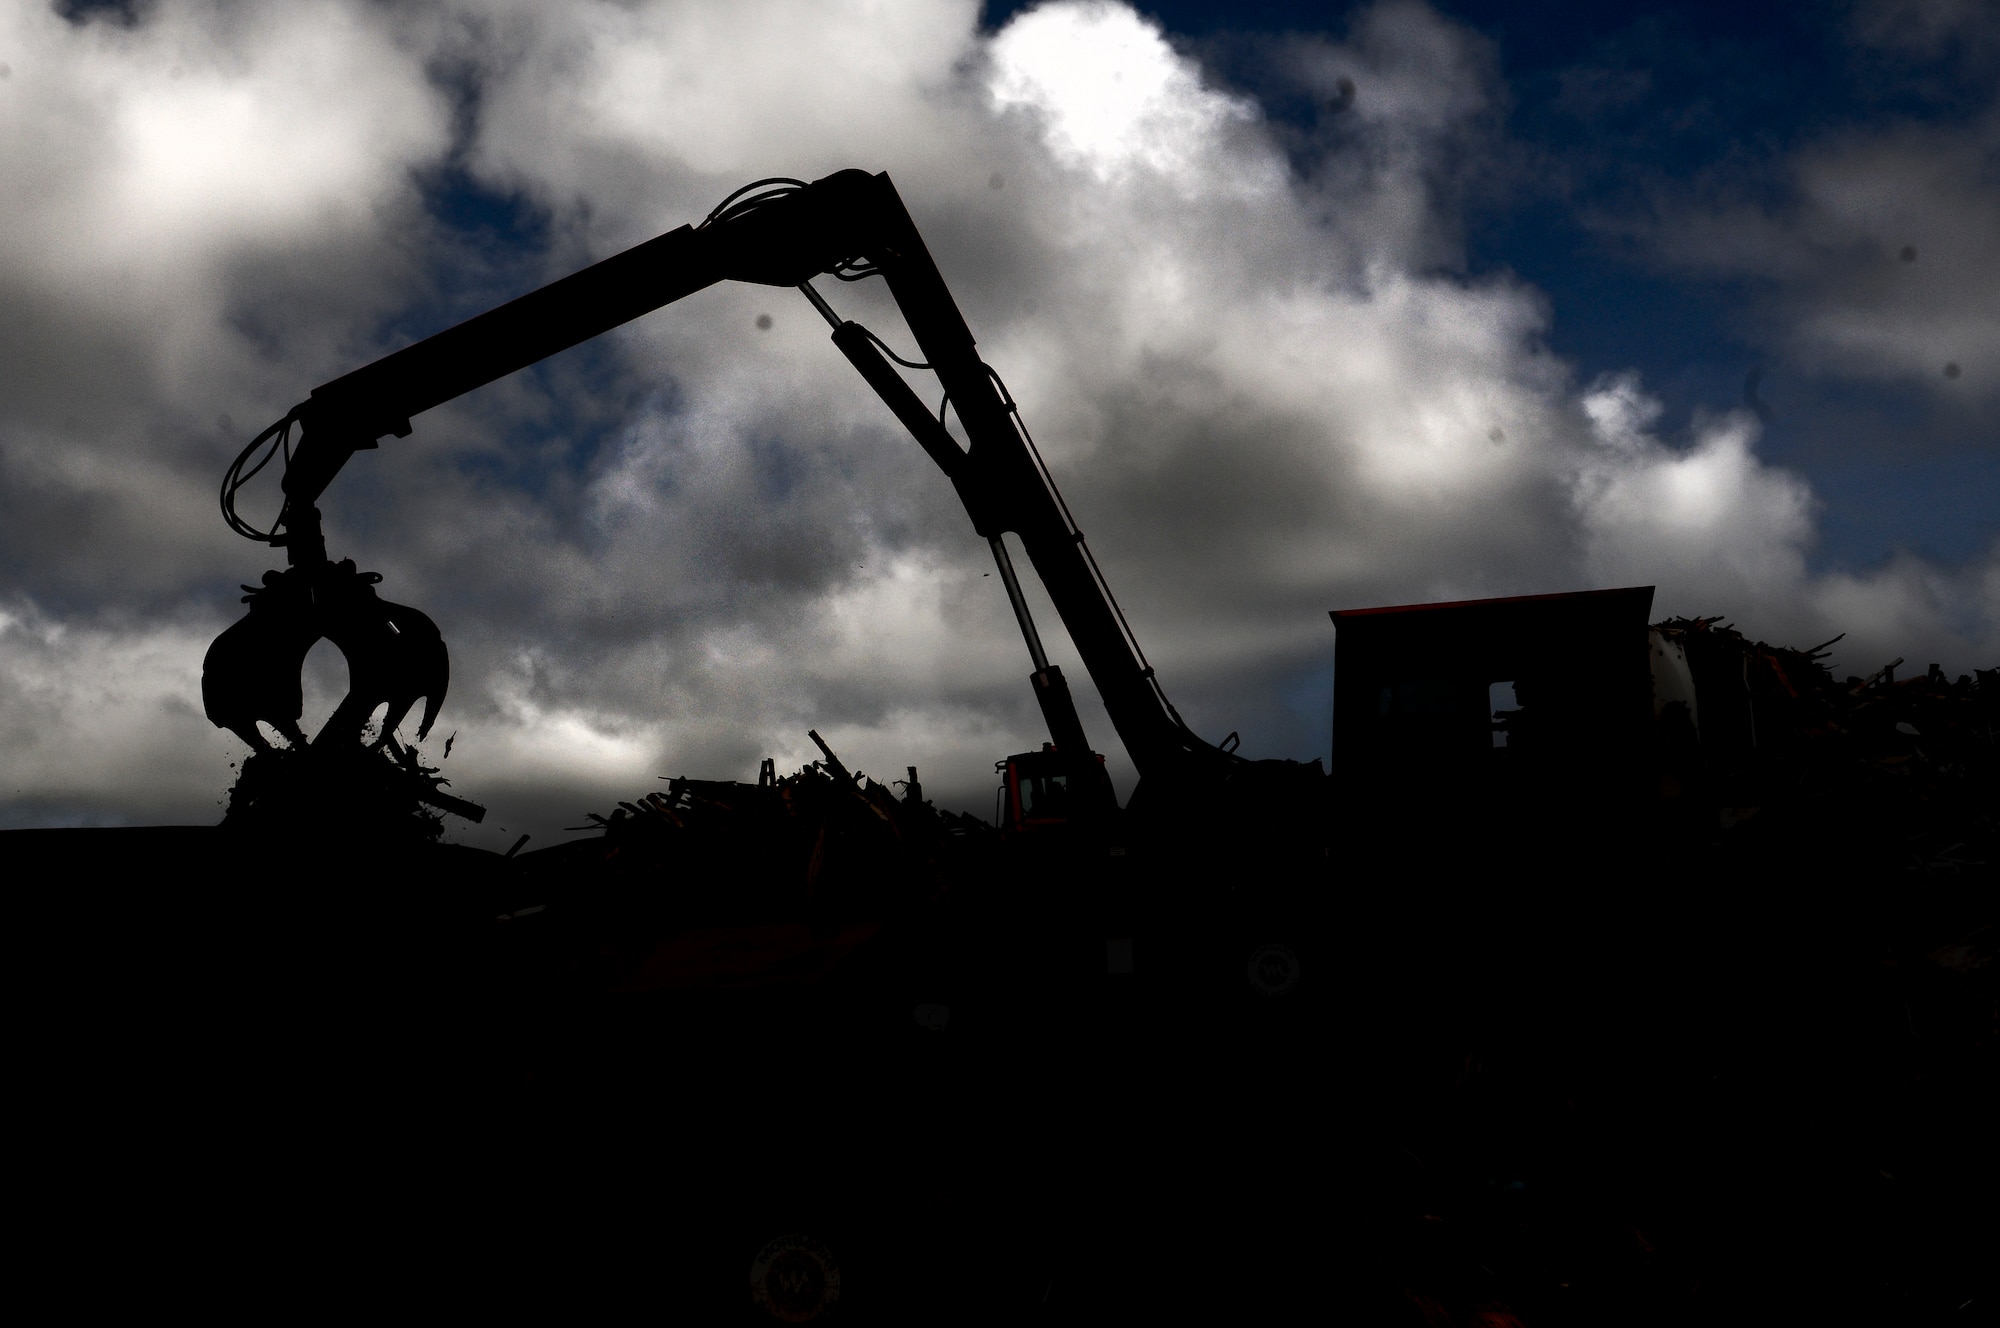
[[1109, 97], [102, 719], [1710, 523], [148, 166], [1915, 611]]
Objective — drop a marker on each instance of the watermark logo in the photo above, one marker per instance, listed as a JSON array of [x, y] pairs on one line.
[[933, 1017], [1274, 969], [793, 1279]]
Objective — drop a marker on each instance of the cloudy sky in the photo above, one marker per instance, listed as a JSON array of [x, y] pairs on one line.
[[1309, 307]]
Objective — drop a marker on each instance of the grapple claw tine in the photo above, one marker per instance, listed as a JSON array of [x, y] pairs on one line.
[[252, 670], [395, 654]]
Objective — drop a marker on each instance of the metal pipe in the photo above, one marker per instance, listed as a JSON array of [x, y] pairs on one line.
[[825, 309], [1020, 604]]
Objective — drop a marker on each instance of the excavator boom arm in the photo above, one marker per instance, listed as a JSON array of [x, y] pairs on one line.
[[353, 411], [783, 239]]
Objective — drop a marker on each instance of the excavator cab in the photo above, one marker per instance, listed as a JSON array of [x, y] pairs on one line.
[[1034, 796]]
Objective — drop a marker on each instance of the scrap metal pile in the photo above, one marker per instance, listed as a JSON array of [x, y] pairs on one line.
[[825, 845], [1904, 771], [382, 795]]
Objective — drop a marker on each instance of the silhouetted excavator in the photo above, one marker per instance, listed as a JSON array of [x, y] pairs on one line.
[[775, 232], [1171, 896]]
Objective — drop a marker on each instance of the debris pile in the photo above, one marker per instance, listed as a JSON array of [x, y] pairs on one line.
[[383, 795], [824, 843], [1911, 765]]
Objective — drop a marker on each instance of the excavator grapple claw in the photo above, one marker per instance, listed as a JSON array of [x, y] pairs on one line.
[[395, 655]]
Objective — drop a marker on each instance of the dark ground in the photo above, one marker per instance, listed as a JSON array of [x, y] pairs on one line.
[[1731, 1083]]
